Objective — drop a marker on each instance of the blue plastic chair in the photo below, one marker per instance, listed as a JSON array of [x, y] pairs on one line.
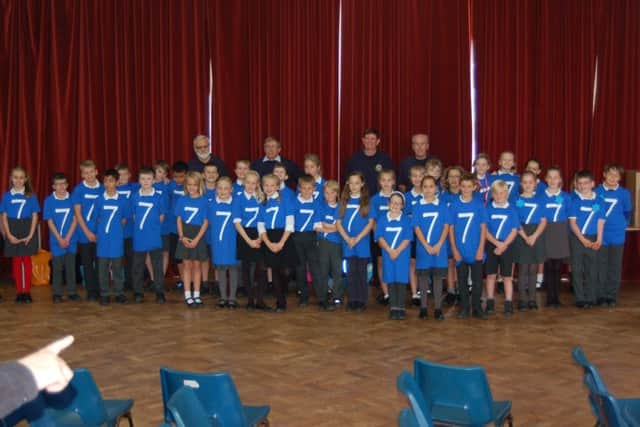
[[630, 407], [38, 414], [187, 410], [611, 413], [460, 395], [218, 395], [83, 398], [407, 418], [420, 411]]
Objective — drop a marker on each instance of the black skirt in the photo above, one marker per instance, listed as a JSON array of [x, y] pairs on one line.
[[286, 258], [20, 229], [557, 240], [199, 253], [526, 254], [245, 252]]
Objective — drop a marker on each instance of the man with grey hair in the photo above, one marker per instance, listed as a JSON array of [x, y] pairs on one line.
[[204, 156], [420, 147]]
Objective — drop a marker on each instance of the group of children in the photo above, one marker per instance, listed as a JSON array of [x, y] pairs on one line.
[[256, 230]]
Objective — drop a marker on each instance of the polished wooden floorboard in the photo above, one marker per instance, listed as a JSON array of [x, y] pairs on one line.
[[334, 369]]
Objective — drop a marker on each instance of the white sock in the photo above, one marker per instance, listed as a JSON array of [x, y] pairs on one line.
[[196, 294], [187, 294], [415, 296], [539, 277]]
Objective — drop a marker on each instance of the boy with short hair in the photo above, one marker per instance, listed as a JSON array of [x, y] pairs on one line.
[[59, 214], [126, 188], [280, 170], [413, 197], [586, 220], [618, 212], [83, 198], [148, 208], [468, 235], [306, 211], [175, 190], [433, 167], [242, 167], [330, 241], [112, 211]]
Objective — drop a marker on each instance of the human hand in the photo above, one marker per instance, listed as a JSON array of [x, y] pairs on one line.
[[49, 370]]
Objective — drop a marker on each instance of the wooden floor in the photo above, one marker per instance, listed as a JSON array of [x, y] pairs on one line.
[[334, 369]]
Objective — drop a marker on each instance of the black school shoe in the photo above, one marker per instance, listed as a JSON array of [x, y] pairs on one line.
[[450, 299], [508, 308], [74, 297], [437, 314], [105, 300], [263, 307], [383, 299], [139, 298], [121, 299], [393, 314], [602, 302], [232, 305], [20, 298], [491, 306], [323, 306], [402, 314], [222, 303], [533, 305], [480, 314], [57, 299], [423, 313], [415, 301], [27, 298], [160, 299], [523, 306]]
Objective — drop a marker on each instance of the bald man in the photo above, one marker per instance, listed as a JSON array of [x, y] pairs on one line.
[[420, 147]]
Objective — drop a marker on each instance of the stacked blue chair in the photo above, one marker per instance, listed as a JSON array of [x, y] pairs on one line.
[[608, 410], [83, 398], [459, 395], [420, 414], [187, 411], [38, 414], [218, 396]]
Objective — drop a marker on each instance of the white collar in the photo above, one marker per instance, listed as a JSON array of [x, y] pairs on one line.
[[319, 180], [414, 193], [460, 197], [108, 197], [393, 219], [282, 185], [14, 192], [481, 177], [504, 173], [276, 159], [546, 191], [381, 194], [239, 182], [249, 196], [593, 196], [332, 205], [301, 200], [610, 189], [273, 196], [357, 196], [218, 200], [153, 192], [89, 186], [436, 201], [66, 196], [506, 205]]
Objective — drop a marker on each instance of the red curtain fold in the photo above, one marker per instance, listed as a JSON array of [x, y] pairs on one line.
[[405, 69], [101, 80], [275, 74]]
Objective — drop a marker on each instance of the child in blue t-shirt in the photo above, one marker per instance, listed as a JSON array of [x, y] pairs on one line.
[[481, 167], [313, 168], [380, 206], [126, 189], [586, 219], [148, 208], [84, 196], [467, 236], [394, 235], [210, 178], [222, 237], [413, 197], [448, 194], [507, 173], [112, 212], [503, 224], [431, 221], [354, 225], [330, 242], [556, 205], [58, 213], [618, 212], [534, 165], [242, 167], [191, 222], [530, 244]]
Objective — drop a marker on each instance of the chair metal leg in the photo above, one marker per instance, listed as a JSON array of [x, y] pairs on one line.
[[510, 420], [127, 416], [264, 422]]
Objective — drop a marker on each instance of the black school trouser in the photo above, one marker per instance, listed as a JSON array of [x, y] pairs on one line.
[[609, 271], [476, 285], [306, 244], [584, 270], [87, 252]]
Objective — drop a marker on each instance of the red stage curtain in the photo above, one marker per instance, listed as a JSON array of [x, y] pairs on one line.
[[405, 69], [112, 81], [275, 74], [535, 63]]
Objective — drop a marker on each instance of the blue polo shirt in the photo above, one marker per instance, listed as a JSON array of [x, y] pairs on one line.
[[306, 214], [276, 213], [513, 184], [395, 231], [556, 205], [502, 220], [530, 209], [18, 206], [110, 212], [61, 212], [411, 199], [222, 233], [238, 188], [431, 218], [247, 210], [146, 211], [467, 220], [85, 196], [380, 204], [127, 191], [618, 212], [329, 215], [174, 193], [587, 212]]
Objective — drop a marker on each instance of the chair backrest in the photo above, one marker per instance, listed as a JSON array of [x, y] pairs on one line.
[[461, 388], [216, 391], [81, 396], [611, 415], [581, 359], [421, 411], [187, 410], [407, 418]]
